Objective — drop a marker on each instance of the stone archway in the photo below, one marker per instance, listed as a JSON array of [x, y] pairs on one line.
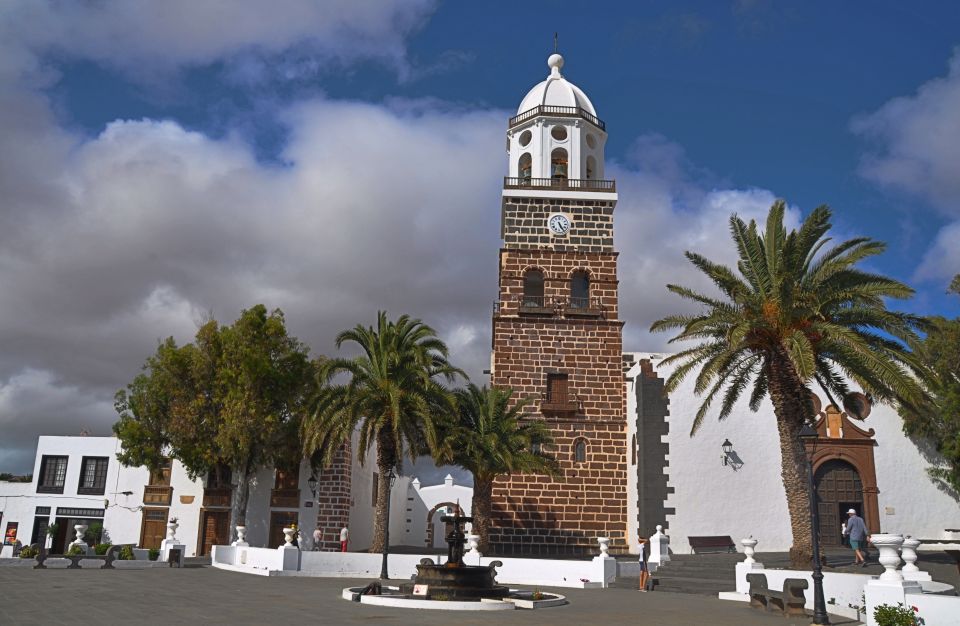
[[839, 488], [453, 505], [843, 458]]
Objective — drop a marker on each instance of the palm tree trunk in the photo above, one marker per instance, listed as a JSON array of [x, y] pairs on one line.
[[481, 511], [386, 459], [791, 405]]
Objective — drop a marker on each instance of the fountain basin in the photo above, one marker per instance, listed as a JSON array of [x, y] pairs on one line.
[[453, 581], [394, 597]]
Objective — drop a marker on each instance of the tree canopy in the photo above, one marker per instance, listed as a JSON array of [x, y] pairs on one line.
[[392, 394], [938, 419], [794, 313], [235, 396], [493, 436]]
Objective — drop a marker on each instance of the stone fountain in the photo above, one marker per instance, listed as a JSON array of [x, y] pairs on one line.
[[453, 580]]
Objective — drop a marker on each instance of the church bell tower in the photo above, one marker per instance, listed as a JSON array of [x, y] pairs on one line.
[[557, 336]]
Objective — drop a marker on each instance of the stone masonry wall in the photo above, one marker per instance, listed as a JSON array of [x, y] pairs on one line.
[[557, 270], [333, 499], [538, 515], [523, 224]]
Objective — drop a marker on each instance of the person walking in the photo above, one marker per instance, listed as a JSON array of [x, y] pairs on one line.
[[644, 569], [857, 531], [344, 538], [317, 538]]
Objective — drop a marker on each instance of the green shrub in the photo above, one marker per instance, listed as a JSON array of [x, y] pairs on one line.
[[154, 554], [76, 550], [899, 615], [29, 553], [93, 533], [126, 554], [101, 548]]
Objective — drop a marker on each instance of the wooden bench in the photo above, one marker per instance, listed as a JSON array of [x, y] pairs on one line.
[[790, 602], [107, 558], [701, 545]]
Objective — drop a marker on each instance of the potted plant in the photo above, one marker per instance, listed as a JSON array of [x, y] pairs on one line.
[[886, 615]]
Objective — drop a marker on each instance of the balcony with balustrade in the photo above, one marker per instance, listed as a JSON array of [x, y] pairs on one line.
[[560, 184], [550, 110], [157, 495]]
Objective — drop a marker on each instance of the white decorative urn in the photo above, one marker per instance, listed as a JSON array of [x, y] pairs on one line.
[[473, 544], [79, 529], [288, 537], [172, 527], [748, 549], [604, 546], [888, 545], [241, 537]]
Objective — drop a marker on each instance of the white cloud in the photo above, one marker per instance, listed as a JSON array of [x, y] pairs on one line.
[[143, 36], [917, 150], [109, 243]]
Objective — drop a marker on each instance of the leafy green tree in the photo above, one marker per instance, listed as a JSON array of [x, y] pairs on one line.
[[235, 397], [939, 419], [495, 436], [393, 394], [795, 312]]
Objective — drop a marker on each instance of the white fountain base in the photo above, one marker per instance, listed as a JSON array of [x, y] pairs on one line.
[[521, 601]]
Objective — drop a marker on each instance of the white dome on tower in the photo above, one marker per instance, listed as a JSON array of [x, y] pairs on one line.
[[556, 91]]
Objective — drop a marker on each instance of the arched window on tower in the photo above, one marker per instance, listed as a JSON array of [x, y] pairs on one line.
[[558, 164], [525, 166], [533, 289], [580, 450], [580, 290], [591, 167]]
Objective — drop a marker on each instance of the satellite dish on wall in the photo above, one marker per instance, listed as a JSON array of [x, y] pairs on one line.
[[857, 405]]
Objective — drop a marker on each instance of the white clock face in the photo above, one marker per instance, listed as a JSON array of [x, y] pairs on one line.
[[558, 224]]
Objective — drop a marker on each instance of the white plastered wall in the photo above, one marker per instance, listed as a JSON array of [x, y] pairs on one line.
[[712, 499]]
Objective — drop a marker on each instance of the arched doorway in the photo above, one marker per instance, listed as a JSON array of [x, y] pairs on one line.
[[437, 530], [838, 488]]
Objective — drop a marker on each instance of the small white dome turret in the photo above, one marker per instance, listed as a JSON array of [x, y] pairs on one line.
[[556, 91], [556, 135]]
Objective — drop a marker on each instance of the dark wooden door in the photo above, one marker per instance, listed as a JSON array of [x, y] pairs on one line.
[[838, 488], [215, 530], [278, 521], [153, 529]]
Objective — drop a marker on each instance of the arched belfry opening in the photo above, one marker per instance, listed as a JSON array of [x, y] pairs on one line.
[[580, 290], [533, 288], [559, 164]]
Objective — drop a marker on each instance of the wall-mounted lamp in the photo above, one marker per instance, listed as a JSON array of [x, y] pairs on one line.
[[727, 448], [312, 485]]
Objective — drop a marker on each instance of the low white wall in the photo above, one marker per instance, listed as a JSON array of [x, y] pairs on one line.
[[839, 590], [939, 610], [549, 573]]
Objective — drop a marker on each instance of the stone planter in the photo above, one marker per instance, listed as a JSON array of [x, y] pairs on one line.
[[472, 543], [288, 538], [748, 549], [888, 545], [172, 531], [79, 529], [604, 546], [241, 537]]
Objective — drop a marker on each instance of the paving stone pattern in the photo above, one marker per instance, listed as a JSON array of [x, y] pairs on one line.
[[203, 595]]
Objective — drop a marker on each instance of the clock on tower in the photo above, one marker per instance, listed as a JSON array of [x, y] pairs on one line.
[[557, 337]]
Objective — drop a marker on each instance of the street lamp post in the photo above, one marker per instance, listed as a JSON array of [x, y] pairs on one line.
[[391, 478], [808, 435]]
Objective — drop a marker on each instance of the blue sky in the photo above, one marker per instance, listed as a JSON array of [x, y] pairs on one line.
[[165, 160]]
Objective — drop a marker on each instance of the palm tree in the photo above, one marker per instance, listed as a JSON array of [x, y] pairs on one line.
[[793, 314], [392, 396], [495, 436]]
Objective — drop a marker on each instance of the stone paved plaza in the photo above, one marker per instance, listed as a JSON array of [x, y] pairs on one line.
[[203, 595]]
